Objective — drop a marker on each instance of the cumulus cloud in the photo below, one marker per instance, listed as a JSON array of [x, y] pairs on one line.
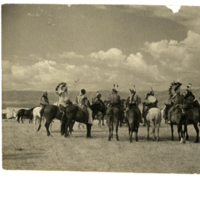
[[178, 60], [183, 55], [113, 57], [133, 64]]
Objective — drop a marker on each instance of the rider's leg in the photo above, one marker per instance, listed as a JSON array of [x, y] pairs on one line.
[[139, 115]]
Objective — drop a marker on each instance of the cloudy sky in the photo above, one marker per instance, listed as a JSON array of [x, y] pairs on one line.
[[145, 46]]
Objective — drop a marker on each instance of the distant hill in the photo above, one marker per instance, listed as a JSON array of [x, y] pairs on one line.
[[28, 99]]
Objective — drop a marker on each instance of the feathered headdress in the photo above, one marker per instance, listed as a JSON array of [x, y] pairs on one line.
[[133, 90], [114, 89], [61, 87], [173, 87]]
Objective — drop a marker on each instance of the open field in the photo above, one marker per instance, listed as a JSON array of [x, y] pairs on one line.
[[23, 149]]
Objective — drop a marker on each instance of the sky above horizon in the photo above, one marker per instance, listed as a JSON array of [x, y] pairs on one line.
[[101, 45]]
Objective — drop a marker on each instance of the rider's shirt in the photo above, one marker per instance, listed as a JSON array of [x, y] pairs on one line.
[[82, 100], [177, 99], [114, 99], [63, 98]]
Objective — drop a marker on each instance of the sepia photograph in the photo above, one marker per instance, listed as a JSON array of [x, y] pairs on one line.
[[101, 88]]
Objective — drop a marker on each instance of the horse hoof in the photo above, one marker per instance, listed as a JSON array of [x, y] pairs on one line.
[[196, 141], [66, 136]]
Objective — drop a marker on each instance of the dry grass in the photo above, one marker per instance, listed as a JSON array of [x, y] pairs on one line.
[[24, 149]]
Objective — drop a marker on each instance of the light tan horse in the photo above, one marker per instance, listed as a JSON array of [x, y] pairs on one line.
[[154, 118]]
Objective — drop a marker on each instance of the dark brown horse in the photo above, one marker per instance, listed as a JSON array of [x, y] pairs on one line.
[[102, 111], [73, 113], [144, 112], [179, 118], [133, 122], [22, 113], [112, 119]]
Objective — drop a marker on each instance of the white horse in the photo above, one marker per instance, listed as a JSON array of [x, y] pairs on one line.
[[162, 114], [37, 116], [153, 117]]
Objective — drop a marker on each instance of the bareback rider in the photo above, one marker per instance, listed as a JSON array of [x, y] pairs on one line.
[[82, 102], [188, 98], [64, 101], [114, 100], [133, 100], [175, 97], [151, 101], [97, 98], [44, 101]]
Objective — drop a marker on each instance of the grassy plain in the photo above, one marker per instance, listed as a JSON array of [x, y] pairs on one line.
[[24, 149]]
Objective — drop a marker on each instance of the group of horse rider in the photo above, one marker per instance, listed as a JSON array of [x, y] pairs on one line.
[[133, 100]]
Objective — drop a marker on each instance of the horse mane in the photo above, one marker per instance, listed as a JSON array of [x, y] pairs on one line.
[[174, 86]]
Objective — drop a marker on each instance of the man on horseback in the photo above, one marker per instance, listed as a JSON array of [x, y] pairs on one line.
[[114, 100], [44, 101], [175, 98], [188, 98], [64, 101], [83, 102], [151, 101], [133, 100]]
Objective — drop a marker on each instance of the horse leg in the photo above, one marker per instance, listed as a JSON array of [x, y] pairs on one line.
[[67, 125], [89, 126], [197, 131], [47, 124], [102, 121], [116, 127], [18, 118], [179, 131], [130, 133], [148, 131], [22, 119], [40, 120], [63, 125], [136, 135], [71, 127], [186, 132], [110, 131], [34, 122], [157, 131], [172, 131], [99, 124], [153, 131]]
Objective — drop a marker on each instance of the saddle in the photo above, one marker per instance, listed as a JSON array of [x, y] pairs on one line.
[[132, 105], [118, 105]]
